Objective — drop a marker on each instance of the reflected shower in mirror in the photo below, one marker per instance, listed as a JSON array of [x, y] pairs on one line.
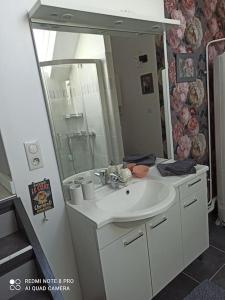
[[75, 95], [104, 95]]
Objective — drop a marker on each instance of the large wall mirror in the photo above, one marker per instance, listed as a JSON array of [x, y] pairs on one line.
[[104, 93]]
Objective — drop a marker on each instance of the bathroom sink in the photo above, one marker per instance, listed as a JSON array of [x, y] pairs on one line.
[[139, 200]]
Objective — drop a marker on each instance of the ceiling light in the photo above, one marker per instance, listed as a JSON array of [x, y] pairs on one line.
[[155, 27], [118, 22], [54, 15], [67, 17]]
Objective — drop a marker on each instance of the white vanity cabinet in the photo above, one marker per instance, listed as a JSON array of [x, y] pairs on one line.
[[194, 219], [125, 267], [136, 260], [165, 247]]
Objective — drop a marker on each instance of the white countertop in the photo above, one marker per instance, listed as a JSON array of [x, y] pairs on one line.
[[100, 218], [176, 180]]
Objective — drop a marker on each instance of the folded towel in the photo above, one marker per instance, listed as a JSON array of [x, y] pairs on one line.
[[180, 167], [147, 160]]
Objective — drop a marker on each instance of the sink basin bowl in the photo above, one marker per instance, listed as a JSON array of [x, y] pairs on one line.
[[140, 200]]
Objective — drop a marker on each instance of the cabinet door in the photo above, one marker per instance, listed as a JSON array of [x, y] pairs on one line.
[[194, 215], [165, 247], [125, 266]]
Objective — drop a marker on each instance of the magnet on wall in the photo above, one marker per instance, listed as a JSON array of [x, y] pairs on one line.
[[41, 197]]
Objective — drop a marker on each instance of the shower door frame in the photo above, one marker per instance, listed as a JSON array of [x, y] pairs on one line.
[[102, 92]]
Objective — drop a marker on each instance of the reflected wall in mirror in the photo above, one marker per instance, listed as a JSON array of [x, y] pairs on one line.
[[6, 183], [94, 92]]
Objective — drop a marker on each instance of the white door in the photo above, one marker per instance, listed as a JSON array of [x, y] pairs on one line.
[[139, 110], [165, 248], [194, 214], [125, 266]]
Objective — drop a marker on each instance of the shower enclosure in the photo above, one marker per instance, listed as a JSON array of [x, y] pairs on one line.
[[75, 95]]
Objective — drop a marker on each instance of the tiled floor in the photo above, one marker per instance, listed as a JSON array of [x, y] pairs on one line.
[[211, 265]]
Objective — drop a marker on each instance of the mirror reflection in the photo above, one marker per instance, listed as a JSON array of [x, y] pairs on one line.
[[104, 94]]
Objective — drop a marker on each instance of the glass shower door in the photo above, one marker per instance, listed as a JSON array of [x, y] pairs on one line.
[[75, 106]]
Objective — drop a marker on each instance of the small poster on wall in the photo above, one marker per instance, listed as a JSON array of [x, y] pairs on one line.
[[147, 84], [41, 196], [186, 67]]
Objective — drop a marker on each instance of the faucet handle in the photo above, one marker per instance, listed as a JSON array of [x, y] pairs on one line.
[[103, 171], [114, 177], [114, 180], [102, 174]]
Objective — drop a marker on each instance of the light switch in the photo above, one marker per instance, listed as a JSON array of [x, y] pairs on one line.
[[34, 157]]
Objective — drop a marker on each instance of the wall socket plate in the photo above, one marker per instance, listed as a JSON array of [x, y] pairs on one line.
[[33, 153]]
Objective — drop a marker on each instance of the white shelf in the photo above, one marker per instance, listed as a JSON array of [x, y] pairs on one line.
[[71, 16]]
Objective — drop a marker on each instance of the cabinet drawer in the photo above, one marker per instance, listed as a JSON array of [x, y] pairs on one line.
[[111, 232], [193, 186]]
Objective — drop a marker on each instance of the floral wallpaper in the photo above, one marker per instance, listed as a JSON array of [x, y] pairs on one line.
[[201, 22]]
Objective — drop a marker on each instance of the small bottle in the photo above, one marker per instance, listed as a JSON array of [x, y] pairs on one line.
[[125, 173]]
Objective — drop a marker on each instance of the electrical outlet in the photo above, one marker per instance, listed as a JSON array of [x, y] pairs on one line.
[[34, 157]]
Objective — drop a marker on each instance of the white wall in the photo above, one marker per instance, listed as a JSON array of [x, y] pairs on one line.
[[140, 114], [65, 45], [23, 118]]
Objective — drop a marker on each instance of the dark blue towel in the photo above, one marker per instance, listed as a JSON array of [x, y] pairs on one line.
[[147, 160], [180, 167]]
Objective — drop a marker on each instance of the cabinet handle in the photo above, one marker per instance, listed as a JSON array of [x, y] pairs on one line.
[[193, 183], [127, 243], [161, 222], [189, 204]]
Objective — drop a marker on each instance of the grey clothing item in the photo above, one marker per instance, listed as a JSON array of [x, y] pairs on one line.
[[147, 160], [180, 167]]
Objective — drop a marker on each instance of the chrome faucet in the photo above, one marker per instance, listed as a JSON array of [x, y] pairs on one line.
[[115, 181], [103, 176]]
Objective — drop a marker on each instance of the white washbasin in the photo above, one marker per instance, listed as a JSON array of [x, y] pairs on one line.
[[140, 200]]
